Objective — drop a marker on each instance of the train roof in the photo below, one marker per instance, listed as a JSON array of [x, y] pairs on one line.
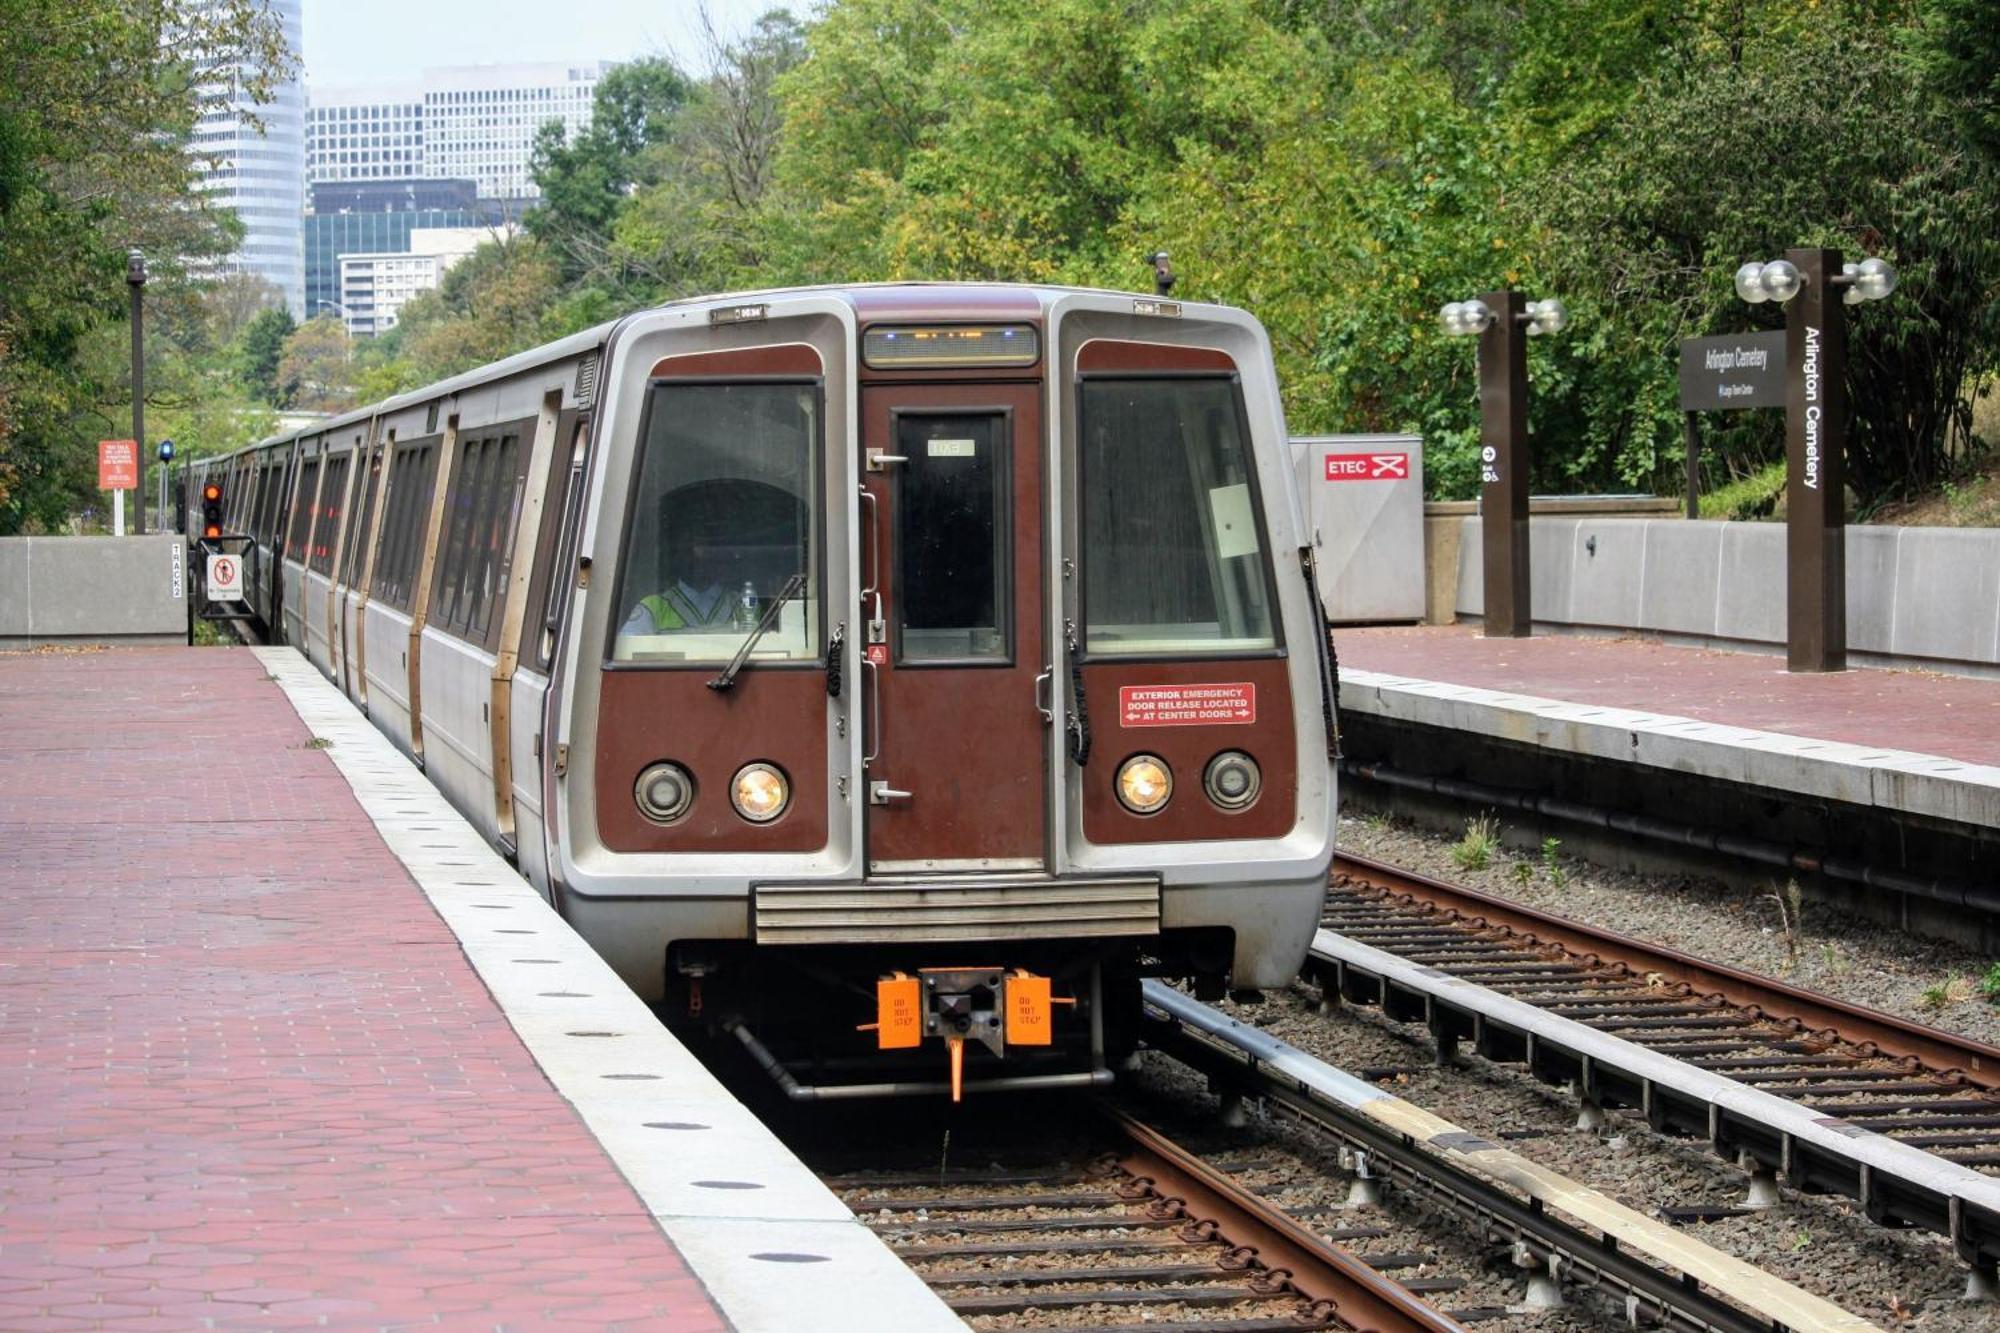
[[872, 300]]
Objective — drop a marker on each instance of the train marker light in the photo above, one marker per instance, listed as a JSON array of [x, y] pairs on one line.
[[1232, 780], [759, 792], [664, 791], [1144, 784]]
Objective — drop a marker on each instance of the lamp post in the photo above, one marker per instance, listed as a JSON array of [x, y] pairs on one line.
[[135, 278], [1805, 281], [1503, 320]]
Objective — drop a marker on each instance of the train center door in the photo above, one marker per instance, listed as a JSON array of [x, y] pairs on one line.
[[952, 628]]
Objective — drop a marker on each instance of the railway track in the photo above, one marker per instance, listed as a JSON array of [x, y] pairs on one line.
[[1904, 1118], [1147, 1233]]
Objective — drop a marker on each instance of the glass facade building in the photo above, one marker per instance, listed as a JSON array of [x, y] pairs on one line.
[[331, 235], [261, 174]]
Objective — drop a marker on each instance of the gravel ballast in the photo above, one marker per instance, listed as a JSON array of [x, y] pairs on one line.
[[1826, 950]]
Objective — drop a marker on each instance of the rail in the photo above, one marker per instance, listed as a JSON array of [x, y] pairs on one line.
[[1661, 1273], [1150, 1229], [1833, 1097]]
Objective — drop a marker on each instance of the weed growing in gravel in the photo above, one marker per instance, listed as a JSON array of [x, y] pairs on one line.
[[1791, 909], [1989, 985], [1954, 989], [1474, 851], [1802, 1241], [1524, 873], [1557, 875]]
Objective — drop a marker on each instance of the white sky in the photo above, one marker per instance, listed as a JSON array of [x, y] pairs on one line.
[[360, 41]]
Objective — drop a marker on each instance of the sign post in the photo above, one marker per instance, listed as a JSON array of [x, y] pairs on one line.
[[118, 472], [1503, 466], [1816, 467]]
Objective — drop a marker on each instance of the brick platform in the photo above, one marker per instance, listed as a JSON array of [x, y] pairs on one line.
[[1957, 717], [247, 1077]]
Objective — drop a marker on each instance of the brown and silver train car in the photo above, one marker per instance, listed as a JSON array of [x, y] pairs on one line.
[[928, 660]]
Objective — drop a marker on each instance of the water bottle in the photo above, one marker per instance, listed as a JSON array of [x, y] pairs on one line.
[[746, 607]]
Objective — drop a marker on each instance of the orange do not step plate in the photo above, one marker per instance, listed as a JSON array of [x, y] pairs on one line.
[[1028, 1006], [899, 1013]]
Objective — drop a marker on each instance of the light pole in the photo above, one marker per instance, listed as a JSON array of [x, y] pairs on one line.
[[1805, 282], [1503, 320], [135, 278]]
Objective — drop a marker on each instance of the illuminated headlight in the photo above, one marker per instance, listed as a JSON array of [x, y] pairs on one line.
[[1144, 784], [1232, 780], [664, 792], [759, 792]]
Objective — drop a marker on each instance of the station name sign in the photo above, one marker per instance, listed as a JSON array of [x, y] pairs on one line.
[[1733, 372]]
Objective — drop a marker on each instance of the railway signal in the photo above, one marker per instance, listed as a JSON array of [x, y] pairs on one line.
[[211, 509]]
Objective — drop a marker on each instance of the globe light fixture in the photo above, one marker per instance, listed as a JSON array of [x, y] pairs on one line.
[[1547, 316], [1874, 278], [1780, 280], [1463, 318], [1750, 283]]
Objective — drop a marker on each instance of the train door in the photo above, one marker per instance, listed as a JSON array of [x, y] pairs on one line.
[[953, 627]]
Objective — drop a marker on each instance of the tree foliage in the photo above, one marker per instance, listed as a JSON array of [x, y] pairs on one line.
[[1342, 168], [97, 99]]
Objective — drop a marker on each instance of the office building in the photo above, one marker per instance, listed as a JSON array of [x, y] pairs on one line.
[[260, 174], [365, 132], [374, 287], [480, 120], [466, 122], [329, 236]]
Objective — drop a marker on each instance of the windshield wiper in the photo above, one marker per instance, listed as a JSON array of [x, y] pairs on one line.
[[793, 587]]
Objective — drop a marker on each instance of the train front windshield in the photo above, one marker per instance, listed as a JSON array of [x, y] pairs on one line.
[[1173, 550], [722, 523]]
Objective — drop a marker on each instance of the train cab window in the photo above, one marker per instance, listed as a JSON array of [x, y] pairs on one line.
[[952, 537], [1172, 547], [723, 521]]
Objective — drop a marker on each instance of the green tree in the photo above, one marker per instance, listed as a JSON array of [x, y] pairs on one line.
[[97, 99], [585, 183], [260, 347], [316, 372], [495, 302]]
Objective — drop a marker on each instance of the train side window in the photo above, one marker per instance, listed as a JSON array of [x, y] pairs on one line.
[[551, 545], [302, 512], [497, 567], [461, 498], [723, 519], [326, 528], [356, 565], [1172, 545]]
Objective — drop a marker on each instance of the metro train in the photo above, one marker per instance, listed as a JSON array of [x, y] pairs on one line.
[[884, 678]]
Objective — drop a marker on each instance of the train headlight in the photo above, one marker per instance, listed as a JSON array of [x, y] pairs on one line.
[[759, 792], [1232, 780], [664, 792], [1144, 784]]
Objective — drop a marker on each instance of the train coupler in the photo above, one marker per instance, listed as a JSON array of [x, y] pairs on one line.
[[990, 1005]]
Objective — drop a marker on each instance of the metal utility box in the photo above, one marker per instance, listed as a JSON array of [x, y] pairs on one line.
[[1364, 497]]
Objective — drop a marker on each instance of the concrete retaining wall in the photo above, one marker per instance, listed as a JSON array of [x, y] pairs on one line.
[[129, 590], [1918, 596]]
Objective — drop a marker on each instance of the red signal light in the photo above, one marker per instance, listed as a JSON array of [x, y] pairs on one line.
[[211, 492], [212, 530]]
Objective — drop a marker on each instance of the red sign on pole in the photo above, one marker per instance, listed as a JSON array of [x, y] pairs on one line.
[[1233, 704], [117, 465], [1367, 467]]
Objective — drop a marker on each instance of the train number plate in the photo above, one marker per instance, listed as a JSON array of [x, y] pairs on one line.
[[1224, 705]]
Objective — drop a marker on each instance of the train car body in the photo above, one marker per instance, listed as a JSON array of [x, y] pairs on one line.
[[915, 658]]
